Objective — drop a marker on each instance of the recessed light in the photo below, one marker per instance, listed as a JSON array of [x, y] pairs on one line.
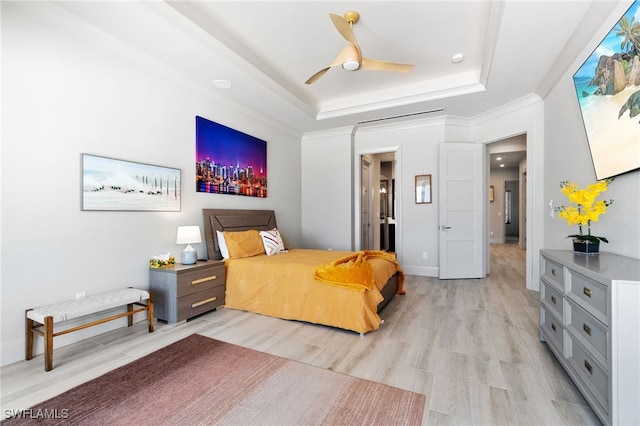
[[501, 165], [221, 84], [457, 58], [498, 158]]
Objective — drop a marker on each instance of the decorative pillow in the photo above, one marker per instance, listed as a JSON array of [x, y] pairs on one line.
[[272, 242], [222, 245], [243, 243]]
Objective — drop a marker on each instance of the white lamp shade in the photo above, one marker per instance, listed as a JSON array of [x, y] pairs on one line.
[[188, 235]]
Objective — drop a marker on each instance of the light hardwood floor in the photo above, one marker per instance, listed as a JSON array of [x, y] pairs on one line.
[[471, 346]]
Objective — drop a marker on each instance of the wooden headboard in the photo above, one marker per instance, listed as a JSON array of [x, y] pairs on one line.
[[233, 220]]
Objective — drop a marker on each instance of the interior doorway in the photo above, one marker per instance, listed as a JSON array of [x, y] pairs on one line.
[[507, 193], [507, 180], [378, 210]]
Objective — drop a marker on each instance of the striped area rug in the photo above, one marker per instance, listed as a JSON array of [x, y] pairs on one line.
[[199, 380]]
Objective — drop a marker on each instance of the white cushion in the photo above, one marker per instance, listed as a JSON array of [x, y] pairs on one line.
[[272, 242], [70, 309], [222, 245]]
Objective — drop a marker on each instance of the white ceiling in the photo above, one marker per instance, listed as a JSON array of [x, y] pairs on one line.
[[268, 49]]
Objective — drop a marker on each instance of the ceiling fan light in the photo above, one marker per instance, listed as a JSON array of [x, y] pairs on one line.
[[351, 65]]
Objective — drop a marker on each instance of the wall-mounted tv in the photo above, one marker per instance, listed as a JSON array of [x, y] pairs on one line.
[[229, 161], [608, 89]]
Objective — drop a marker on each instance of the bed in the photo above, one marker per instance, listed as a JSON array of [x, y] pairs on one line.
[[286, 285]]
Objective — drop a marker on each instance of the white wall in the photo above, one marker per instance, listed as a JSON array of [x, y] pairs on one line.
[[326, 196], [416, 146], [64, 95], [567, 157]]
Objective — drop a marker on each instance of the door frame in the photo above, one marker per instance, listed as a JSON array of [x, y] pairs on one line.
[[365, 162], [357, 155]]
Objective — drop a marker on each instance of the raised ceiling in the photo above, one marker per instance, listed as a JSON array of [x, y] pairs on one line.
[[267, 50]]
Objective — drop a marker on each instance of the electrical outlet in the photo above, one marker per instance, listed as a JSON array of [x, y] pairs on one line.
[[81, 295], [425, 255]]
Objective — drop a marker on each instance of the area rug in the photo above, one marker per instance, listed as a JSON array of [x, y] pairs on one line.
[[199, 380]]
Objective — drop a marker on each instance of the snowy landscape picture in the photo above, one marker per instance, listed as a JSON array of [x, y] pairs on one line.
[[111, 184]]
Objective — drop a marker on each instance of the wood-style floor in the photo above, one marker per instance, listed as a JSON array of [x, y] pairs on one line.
[[471, 346]]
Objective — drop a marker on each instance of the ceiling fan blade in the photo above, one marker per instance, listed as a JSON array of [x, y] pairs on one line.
[[343, 28], [344, 55], [375, 65], [349, 52], [317, 75]]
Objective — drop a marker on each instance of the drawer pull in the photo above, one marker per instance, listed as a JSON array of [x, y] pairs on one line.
[[202, 302], [203, 280], [588, 366], [553, 272], [587, 291], [553, 299], [586, 329], [553, 326]]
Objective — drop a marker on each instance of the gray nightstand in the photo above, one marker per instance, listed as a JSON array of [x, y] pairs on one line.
[[184, 291]]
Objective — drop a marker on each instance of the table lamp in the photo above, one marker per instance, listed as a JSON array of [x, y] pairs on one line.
[[187, 235]]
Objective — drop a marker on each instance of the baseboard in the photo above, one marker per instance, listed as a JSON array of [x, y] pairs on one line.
[[423, 271]]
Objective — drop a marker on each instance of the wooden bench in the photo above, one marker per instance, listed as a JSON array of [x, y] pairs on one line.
[[41, 320]]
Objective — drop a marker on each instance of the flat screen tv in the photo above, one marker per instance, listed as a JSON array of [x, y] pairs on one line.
[[608, 89]]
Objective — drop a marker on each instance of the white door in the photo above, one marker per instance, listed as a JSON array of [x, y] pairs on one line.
[[461, 212], [365, 219]]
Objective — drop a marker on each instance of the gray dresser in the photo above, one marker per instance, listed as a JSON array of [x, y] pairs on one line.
[[590, 318]]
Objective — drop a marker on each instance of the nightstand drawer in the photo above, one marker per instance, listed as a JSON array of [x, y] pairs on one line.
[[591, 332], [553, 272], [552, 298], [201, 279], [589, 294], [198, 303]]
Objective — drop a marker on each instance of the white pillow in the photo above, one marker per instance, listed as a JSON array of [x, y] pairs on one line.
[[272, 242], [222, 245]]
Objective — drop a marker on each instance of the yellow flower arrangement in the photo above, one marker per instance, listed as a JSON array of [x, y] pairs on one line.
[[162, 260], [585, 208]]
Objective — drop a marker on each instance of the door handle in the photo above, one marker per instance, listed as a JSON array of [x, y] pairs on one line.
[[444, 227]]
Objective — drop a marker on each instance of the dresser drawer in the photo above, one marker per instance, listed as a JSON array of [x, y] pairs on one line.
[[589, 294], [201, 279], [198, 303], [553, 273], [552, 328], [590, 372], [592, 333], [552, 298]]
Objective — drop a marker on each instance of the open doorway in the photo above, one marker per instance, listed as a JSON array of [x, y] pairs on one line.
[[507, 191], [378, 202]]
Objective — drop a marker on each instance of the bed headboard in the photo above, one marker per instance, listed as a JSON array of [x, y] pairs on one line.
[[233, 220]]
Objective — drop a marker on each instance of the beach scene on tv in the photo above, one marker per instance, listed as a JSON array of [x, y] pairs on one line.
[[608, 90], [110, 184]]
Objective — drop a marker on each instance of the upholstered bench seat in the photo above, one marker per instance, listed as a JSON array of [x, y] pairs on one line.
[[40, 320], [65, 311]]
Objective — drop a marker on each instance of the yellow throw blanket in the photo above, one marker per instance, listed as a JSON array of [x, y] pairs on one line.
[[355, 273]]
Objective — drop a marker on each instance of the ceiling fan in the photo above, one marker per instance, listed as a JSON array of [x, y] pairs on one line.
[[350, 58]]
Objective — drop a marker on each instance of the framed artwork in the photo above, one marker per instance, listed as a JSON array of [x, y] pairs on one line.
[[608, 94], [423, 189], [120, 185], [229, 161]]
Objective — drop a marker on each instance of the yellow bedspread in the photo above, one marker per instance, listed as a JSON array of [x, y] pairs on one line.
[[284, 286]]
